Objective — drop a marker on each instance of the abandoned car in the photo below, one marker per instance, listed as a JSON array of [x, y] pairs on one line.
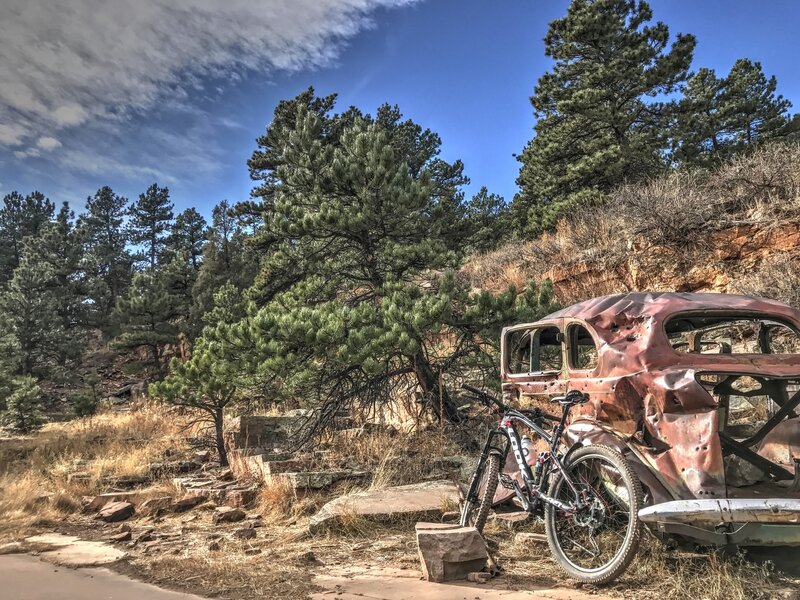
[[700, 392]]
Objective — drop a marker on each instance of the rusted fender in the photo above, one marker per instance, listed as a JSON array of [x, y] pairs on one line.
[[739, 510]]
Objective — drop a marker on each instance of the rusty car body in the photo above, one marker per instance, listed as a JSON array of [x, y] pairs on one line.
[[699, 391]]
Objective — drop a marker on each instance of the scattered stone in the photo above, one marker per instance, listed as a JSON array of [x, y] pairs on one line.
[[94, 503], [124, 481], [449, 552], [188, 503], [227, 514], [11, 548], [213, 546], [246, 533], [530, 538], [123, 536], [419, 500], [309, 558], [237, 498], [154, 505], [116, 511], [511, 520], [145, 536], [479, 577]]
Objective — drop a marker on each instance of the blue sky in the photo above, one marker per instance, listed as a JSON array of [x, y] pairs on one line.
[[94, 97]]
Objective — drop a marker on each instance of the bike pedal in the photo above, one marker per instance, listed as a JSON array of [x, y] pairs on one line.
[[506, 481]]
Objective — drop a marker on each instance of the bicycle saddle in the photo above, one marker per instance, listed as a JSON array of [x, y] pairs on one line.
[[572, 397]]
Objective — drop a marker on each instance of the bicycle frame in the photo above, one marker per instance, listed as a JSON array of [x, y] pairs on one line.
[[534, 487]]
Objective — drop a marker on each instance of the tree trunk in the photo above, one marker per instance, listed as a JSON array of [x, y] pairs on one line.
[[220, 438], [438, 399]]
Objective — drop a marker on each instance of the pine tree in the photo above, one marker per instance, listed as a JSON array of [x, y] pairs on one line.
[[719, 118], [205, 384], [188, 236], [151, 217], [148, 316], [24, 407], [9, 359], [227, 259], [360, 218], [31, 307], [20, 217], [599, 123], [487, 218], [106, 258]]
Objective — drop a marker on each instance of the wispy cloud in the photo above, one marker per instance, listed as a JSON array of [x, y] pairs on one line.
[[71, 63]]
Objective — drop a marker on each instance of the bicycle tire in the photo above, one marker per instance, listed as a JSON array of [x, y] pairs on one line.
[[630, 545], [477, 515]]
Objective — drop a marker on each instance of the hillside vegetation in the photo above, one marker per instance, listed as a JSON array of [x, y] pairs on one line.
[[732, 229]]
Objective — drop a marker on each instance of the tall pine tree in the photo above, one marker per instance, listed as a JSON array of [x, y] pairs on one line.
[[106, 258], [599, 120], [721, 117], [20, 217], [150, 220], [360, 218]]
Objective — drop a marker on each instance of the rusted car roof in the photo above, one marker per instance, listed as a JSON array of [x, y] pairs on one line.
[[665, 304]]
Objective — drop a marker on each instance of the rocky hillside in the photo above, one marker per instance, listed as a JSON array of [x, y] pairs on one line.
[[736, 229]]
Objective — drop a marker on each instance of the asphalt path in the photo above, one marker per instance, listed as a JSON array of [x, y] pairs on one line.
[[24, 577]]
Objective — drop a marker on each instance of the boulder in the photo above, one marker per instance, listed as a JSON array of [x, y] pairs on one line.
[[227, 514], [450, 552], [114, 512], [315, 480], [246, 533], [188, 503], [154, 505], [419, 500]]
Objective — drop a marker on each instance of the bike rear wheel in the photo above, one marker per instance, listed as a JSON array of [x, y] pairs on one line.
[[475, 511], [597, 543]]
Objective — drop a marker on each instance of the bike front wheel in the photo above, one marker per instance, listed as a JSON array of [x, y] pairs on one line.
[[597, 542], [476, 507]]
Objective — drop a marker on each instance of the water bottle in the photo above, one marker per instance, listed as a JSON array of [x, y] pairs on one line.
[[527, 450]]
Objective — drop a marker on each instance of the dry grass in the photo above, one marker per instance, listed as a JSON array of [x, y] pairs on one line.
[[656, 573], [34, 470]]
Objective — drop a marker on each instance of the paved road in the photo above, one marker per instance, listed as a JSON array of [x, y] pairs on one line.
[[24, 577]]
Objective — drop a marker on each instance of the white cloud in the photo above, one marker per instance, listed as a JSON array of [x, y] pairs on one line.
[[47, 143], [65, 63], [11, 135], [29, 153]]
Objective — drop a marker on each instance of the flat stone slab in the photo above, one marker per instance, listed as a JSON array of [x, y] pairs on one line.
[[71, 551], [315, 480], [421, 500]]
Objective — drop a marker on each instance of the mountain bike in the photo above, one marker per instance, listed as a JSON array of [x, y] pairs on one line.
[[589, 496]]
